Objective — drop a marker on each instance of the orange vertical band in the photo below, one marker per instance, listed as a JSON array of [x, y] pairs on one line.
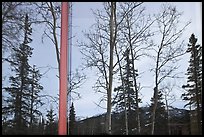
[[62, 127]]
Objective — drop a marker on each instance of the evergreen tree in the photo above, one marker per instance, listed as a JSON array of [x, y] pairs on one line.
[[161, 127], [72, 121], [194, 86], [22, 103], [34, 100], [51, 126], [17, 101], [127, 93]]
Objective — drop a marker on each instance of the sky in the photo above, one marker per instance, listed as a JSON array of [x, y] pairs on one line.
[[82, 14], [44, 55]]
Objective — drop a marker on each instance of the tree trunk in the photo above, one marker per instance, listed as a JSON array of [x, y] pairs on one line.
[[154, 109], [167, 109], [55, 35], [155, 96], [112, 43]]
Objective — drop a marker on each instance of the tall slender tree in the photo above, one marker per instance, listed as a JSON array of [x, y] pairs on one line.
[[166, 52], [23, 101], [17, 102], [110, 81], [194, 86]]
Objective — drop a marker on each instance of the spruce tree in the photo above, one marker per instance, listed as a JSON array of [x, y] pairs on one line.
[[17, 101], [51, 126], [127, 92], [34, 97], [194, 83], [72, 121], [22, 102]]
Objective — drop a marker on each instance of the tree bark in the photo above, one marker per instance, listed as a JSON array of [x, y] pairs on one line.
[[112, 43]]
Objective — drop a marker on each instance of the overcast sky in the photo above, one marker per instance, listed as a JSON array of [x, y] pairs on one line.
[[83, 15], [44, 55]]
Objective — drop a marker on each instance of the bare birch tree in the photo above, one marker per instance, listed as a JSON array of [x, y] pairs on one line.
[[96, 54], [135, 35], [106, 31], [167, 50], [112, 45]]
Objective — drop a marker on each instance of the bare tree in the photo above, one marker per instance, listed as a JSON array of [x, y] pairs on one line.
[[112, 45], [97, 53], [168, 50], [169, 98], [77, 79], [135, 35], [49, 15]]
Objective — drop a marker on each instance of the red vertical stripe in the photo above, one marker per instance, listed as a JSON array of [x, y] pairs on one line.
[[63, 71]]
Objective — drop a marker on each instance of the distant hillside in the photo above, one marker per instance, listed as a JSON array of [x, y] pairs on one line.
[[179, 120]]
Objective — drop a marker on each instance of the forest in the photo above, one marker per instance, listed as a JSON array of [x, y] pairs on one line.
[[121, 36]]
